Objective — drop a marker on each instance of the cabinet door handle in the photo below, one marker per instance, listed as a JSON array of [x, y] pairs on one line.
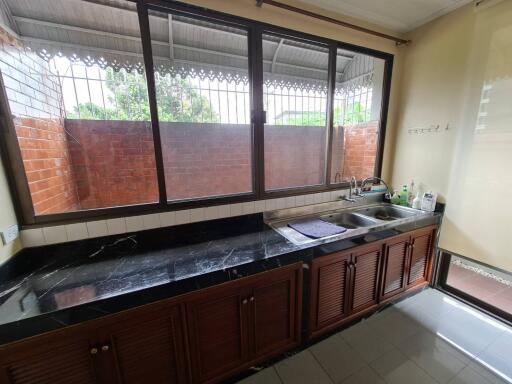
[[105, 348], [251, 299], [244, 301], [94, 351]]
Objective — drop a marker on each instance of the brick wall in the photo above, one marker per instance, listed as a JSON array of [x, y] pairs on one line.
[[206, 159], [294, 156], [357, 151], [34, 98], [113, 162]]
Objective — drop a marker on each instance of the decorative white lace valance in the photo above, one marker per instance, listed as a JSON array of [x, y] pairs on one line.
[[163, 66]]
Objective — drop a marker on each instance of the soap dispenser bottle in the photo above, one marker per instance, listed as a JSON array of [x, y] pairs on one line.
[[404, 196]]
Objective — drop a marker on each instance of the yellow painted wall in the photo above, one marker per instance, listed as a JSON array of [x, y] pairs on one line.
[[446, 69], [7, 218]]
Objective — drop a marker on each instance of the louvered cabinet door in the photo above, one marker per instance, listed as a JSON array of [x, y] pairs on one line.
[[145, 348], [217, 328], [50, 362], [329, 282], [421, 252], [275, 311], [395, 264], [365, 277]]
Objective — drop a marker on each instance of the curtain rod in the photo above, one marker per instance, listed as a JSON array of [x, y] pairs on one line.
[[398, 41]]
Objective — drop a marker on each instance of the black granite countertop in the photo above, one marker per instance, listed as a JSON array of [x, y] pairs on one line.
[[47, 288]]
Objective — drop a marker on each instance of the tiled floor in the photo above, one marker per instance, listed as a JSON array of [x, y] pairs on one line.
[[428, 338], [480, 286]]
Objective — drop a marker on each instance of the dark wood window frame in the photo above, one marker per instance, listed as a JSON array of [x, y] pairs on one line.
[[440, 281], [11, 153]]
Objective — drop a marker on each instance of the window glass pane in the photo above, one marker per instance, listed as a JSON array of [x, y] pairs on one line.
[[82, 119], [357, 110], [295, 101], [481, 282], [202, 92]]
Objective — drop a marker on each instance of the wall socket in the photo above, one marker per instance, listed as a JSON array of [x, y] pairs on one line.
[[10, 234]]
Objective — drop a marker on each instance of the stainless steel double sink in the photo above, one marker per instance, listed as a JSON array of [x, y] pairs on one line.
[[357, 220]]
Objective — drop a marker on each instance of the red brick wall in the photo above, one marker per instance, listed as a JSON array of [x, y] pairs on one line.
[[206, 159], [34, 98], [294, 156], [356, 153], [113, 162]]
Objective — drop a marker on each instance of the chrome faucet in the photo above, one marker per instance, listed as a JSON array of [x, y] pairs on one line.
[[352, 194], [388, 191]]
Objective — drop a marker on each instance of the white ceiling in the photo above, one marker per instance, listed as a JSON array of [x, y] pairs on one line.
[[397, 15]]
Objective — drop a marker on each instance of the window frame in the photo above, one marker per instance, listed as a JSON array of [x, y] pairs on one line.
[[13, 163]]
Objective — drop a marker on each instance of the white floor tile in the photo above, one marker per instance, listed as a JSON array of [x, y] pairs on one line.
[[469, 376], [498, 357], [434, 358], [368, 342], [468, 330], [337, 358], [266, 376], [365, 375], [396, 368], [426, 339], [302, 369], [395, 326]]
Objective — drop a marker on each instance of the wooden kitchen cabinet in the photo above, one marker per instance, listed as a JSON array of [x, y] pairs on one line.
[[328, 296], [365, 277], [55, 358], [148, 347], [408, 261], [343, 284], [146, 344], [395, 263], [421, 252], [234, 325]]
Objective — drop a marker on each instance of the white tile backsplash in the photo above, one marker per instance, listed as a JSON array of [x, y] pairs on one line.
[[151, 221], [183, 217], [196, 215], [57, 234], [77, 231], [211, 213], [32, 237], [134, 224], [235, 209], [116, 226], [97, 228], [223, 211], [167, 219], [299, 200], [248, 208], [259, 206]]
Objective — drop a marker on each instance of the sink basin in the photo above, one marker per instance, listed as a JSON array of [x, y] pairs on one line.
[[348, 220], [387, 213]]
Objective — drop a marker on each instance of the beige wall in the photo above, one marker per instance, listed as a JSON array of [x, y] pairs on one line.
[[445, 71], [7, 218]]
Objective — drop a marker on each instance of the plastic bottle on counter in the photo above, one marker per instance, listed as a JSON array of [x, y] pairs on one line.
[[404, 196], [416, 203], [428, 202], [412, 194]]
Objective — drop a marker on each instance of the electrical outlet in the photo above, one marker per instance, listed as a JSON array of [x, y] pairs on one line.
[[10, 234]]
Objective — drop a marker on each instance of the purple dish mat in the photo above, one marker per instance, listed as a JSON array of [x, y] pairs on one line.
[[316, 228]]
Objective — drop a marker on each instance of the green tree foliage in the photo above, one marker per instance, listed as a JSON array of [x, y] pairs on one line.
[[354, 114], [177, 100]]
